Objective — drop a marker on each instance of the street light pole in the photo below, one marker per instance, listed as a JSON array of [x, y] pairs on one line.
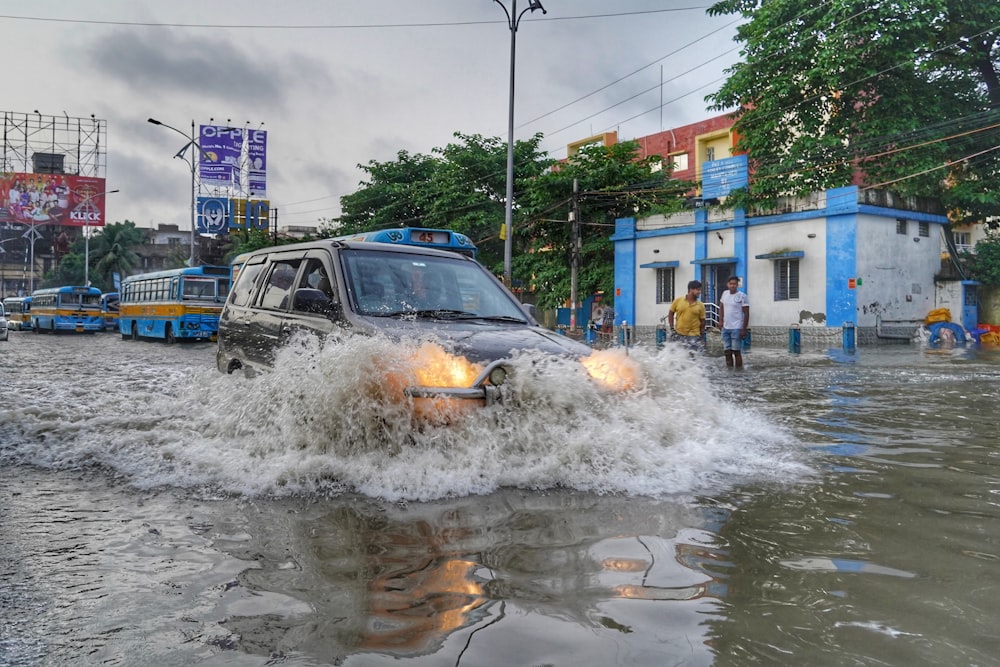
[[513, 20], [193, 145], [86, 237]]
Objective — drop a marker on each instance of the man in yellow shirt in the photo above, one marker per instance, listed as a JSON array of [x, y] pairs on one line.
[[687, 317]]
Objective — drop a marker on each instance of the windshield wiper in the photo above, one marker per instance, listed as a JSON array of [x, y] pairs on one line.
[[492, 318], [439, 313]]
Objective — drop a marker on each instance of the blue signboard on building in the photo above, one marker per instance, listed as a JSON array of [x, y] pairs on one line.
[[720, 177]]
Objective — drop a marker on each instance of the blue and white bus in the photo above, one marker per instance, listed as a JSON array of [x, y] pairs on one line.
[[443, 239], [109, 308], [18, 312], [176, 304], [69, 308]]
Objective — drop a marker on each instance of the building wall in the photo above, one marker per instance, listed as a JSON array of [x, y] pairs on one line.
[[775, 237], [896, 271], [713, 132], [853, 265]]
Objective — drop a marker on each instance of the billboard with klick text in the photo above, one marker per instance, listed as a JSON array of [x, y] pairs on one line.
[[52, 199]]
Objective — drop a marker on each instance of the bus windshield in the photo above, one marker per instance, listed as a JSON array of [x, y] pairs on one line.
[[204, 288]]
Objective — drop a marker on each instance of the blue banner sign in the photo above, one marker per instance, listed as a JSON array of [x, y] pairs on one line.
[[720, 177]]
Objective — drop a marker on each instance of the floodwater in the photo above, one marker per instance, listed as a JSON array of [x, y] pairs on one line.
[[815, 509]]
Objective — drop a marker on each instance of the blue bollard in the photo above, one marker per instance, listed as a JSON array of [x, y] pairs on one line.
[[848, 334], [795, 339], [661, 336]]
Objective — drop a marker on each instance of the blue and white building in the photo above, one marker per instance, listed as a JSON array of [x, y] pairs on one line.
[[846, 257]]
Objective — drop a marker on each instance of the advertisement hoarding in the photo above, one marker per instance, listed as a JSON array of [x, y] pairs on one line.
[[52, 199], [220, 155], [220, 215], [257, 157]]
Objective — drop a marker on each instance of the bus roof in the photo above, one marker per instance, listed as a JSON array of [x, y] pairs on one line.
[[206, 270]]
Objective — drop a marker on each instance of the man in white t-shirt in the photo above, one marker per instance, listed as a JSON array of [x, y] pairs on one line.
[[734, 314]]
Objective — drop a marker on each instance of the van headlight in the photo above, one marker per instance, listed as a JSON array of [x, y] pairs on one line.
[[612, 369]]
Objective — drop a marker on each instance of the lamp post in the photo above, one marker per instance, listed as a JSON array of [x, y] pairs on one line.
[[193, 145], [513, 20], [86, 236]]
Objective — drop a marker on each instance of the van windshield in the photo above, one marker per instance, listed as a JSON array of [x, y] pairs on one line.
[[387, 284]]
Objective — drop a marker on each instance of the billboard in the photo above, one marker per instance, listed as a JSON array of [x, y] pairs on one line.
[[220, 155], [220, 215], [52, 199], [257, 158]]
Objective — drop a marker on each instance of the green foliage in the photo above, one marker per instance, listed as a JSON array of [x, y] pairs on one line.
[[908, 92], [985, 263], [612, 183], [463, 187], [69, 271], [252, 239], [112, 251]]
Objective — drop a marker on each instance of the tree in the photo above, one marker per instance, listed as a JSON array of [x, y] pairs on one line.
[[907, 93], [463, 187], [111, 252], [612, 183], [253, 239], [395, 195], [985, 262], [460, 187]]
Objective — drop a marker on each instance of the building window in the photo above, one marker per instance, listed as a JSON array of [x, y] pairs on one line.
[[173, 240], [900, 226], [710, 153], [786, 279], [680, 161], [664, 285], [924, 229]]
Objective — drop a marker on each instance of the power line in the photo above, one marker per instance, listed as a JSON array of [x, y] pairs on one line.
[[330, 26]]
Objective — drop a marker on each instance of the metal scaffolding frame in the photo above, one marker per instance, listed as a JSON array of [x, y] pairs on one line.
[[39, 143], [82, 142]]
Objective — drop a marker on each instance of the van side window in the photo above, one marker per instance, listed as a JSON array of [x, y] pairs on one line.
[[278, 288], [240, 296], [315, 277]]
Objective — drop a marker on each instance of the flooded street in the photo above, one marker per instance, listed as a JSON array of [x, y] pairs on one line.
[[816, 509]]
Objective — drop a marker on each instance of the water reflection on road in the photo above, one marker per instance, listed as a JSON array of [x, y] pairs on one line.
[[886, 554]]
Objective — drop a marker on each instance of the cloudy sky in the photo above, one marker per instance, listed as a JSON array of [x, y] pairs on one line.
[[342, 82]]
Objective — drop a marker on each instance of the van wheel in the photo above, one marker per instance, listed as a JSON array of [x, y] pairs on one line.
[[168, 335]]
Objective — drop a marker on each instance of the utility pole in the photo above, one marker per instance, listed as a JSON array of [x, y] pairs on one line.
[[574, 255]]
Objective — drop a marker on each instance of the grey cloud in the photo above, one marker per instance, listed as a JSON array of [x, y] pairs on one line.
[[163, 62]]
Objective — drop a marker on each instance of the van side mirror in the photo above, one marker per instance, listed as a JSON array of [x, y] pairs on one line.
[[532, 310]]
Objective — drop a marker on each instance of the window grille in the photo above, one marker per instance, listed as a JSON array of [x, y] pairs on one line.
[[786, 279], [664, 285]]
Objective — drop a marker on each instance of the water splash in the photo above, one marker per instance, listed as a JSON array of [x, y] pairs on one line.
[[325, 421]]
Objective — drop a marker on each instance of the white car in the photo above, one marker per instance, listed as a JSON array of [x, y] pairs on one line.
[[4, 332]]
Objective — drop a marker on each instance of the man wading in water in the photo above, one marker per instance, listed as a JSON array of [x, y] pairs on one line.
[[690, 317]]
